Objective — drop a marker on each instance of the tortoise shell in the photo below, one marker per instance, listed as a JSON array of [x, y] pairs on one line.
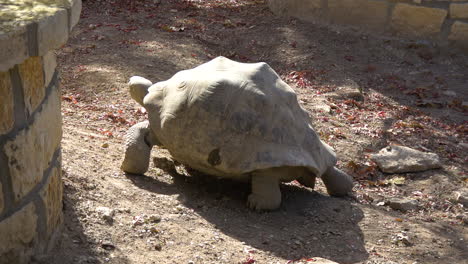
[[227, 118]]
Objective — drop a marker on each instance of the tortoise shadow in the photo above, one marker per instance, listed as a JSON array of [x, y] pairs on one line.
[[308, 223]]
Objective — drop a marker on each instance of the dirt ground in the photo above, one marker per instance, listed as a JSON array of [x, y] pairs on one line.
[[414, 95]]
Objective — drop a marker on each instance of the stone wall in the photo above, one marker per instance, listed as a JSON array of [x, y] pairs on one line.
[[30, 124], [442, 21]]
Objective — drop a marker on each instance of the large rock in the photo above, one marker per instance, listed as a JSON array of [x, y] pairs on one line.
[[399, 159]]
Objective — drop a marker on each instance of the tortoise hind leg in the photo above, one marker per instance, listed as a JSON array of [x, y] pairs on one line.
[[306, 178], [266, 194], [137, 149], [338, 183]]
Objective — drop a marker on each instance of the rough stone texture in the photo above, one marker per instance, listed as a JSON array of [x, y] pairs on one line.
[[6, 103], [348, 90], [403, 204], [298, 8], [2, 203], [13, 48], [461, 197], [417, 20], [372, 14], [30, 152], [49, 64], [52, 31], [16, 233], [106, 213], [32, 79], [399, 159], [52, 197], [459, 10], [459, 33]]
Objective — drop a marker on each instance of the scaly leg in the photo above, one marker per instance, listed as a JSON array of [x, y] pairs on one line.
[[266, 194], [338, 183], [137, 149]]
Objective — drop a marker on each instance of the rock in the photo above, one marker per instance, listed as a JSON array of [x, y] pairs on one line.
[[320, 105], [399, 159], [317, 260], [461, 197], [403, 204], [107, 245], [106, 213], [402, 238], [351, 90], [154, 218], [463, 218], [158, 246], [449, 93], [463, 145]]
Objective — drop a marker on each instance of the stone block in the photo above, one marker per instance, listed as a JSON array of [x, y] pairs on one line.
[[17, 232], [75, 13], [459, 10], [6, 103], [51, 194], [2, 203], [417, 20], [304, 9], [13, 48], [459, 33], [49, 64], [369, 13], [32, 79], [30, 153], [52, 31]]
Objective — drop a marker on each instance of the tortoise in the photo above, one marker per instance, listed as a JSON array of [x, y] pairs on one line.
[[234, 120]]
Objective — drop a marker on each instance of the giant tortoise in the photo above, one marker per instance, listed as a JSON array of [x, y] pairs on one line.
[[234, 120]]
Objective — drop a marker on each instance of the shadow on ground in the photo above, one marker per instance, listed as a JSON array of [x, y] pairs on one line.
[[74, 244], [308, 224]]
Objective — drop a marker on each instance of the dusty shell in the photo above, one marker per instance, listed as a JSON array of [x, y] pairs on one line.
[[228, 118]]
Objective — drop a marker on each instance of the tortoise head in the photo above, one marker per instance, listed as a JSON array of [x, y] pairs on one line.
[[139, 88]]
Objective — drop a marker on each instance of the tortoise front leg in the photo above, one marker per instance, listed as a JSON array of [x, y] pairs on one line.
[[338, 183], [137, 149], [266, 194]]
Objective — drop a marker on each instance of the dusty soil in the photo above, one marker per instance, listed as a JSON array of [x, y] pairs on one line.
[[413, 96]]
